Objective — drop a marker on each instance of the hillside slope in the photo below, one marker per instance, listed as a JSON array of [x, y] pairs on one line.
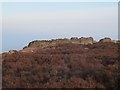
[[68, 65]]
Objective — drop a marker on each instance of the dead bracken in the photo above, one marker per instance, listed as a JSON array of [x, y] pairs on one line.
[[63, 63]]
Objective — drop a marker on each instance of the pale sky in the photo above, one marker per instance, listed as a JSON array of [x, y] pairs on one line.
[[24, 22], [59, 0]]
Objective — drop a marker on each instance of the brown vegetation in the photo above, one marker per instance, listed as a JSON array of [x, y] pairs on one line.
[[68, 65]]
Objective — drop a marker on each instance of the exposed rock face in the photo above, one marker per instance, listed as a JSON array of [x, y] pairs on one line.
[[88, 40], [54, 42], [106, 39], [39, 43], [74, 38], [12, 51]]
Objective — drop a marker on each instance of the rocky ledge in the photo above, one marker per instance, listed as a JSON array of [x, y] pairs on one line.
[[73, 40], [46, 44]]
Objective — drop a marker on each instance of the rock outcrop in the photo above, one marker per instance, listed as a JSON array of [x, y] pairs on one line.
[[54, 42], [88, 40], [12, 52], [106, 39], [73, 40]]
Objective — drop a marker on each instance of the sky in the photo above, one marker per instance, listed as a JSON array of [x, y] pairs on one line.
[[23, 22], [59, 0]]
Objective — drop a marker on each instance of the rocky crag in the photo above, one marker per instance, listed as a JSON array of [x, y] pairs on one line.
[[73, 40], [54, 42], [32, 46]]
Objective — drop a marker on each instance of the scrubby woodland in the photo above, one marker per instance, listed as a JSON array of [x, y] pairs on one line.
[[63, 66]]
